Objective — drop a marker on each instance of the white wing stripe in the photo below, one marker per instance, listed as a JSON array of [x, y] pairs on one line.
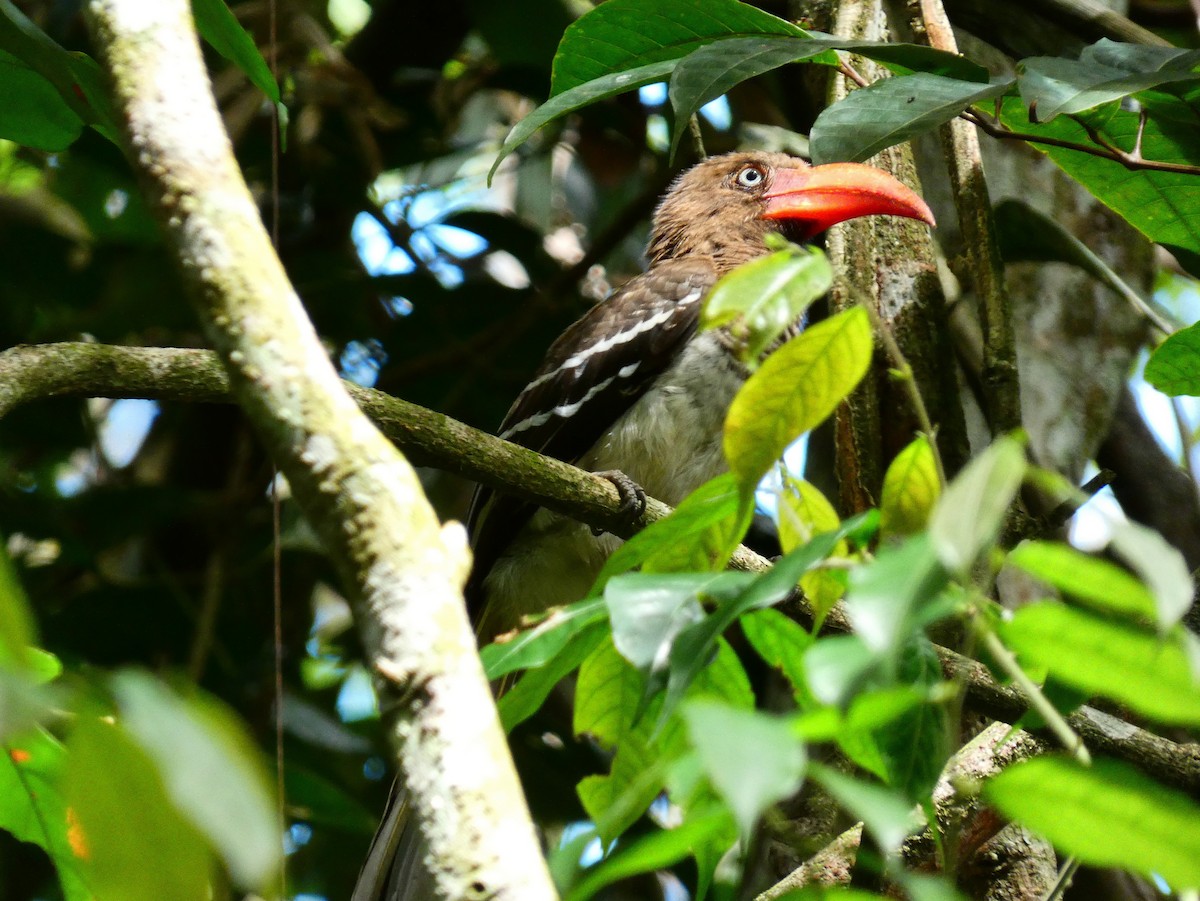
[[644, 325], [566, 411]]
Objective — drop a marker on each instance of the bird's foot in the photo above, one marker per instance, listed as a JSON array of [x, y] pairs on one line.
[[632, 495]]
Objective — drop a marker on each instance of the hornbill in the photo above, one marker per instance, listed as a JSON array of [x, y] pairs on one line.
[[633, 389]]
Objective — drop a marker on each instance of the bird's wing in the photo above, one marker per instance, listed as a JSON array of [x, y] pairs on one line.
[[593, 373]]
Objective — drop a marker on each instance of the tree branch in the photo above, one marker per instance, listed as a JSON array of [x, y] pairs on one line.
[[33, 372], [403, 570]]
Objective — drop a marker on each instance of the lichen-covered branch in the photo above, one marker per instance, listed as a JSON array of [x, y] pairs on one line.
[[403, 569], [33, 372]]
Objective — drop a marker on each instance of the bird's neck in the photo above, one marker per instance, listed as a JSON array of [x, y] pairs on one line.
[[725, 247]]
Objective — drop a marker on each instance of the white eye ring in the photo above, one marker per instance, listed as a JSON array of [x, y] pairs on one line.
[[750, 177]]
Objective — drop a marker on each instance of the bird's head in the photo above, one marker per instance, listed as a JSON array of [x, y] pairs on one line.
[[724, 207]]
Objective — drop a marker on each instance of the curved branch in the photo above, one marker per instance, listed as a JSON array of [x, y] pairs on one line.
[[33, 372], [402, 568]]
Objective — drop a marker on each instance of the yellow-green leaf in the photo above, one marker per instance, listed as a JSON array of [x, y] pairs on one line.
[[798, 386], [910, 489], [1097, 582]]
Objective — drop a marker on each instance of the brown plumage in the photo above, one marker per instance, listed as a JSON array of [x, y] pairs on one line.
[[632, 387]]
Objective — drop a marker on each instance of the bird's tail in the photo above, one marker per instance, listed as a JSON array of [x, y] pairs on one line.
[[393, 869]]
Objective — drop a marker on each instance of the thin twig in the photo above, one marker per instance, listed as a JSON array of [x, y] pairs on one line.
[[1037, 699], [697, 138], [1065, 874], [997, 129]]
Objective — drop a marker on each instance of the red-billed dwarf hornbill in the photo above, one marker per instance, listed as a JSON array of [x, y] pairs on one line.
[[633, 388]]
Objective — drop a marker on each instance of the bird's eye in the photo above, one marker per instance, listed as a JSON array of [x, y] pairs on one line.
[[750, 177]]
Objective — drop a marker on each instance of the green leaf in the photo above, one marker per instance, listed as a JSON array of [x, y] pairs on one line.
[[17, 631], [797, 387], [649, 610], [649, 853], [885, 813], [535, 646], [210, 769], [124, 819], [522, 701], [890, 111], [33, 113], [621, 34], [1054, 86], [78, 79], [766, 296], [836, 666], [885, 593], [1138, 669], [910, 490], [700, 534], [749, 783], [223, 32], [1090, 579], [782, 644], [1174, 366], [568, 101], [709, 71], [33, 809], [1161, 205], [1160, 565], [1107, 815], [803, 513], [968, 517], [319, 800], [695, 644]]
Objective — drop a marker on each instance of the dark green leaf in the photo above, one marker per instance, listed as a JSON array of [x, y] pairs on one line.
[[522, 701], [621, 34], [1054, 86], [209, 767], [649, 853], [533, 647], [225, 34], [749, 783], [709, 71], [1159, 204], [33, 113], [1091, 579], [1107, 815], [581, 95], [1174, 367], [1147, 673], [797, 387], [764, 297], [969, 514], [890, 111]]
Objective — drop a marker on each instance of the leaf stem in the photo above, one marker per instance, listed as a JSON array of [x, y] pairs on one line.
[[1037, 699], [1065, 873]]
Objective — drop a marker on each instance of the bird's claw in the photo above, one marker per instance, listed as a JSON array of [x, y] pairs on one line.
[[632, 495]]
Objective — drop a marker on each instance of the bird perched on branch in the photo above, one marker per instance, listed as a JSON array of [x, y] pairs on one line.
[[633, 390]]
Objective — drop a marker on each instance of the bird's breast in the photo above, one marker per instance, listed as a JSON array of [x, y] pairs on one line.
[[670, 440]]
